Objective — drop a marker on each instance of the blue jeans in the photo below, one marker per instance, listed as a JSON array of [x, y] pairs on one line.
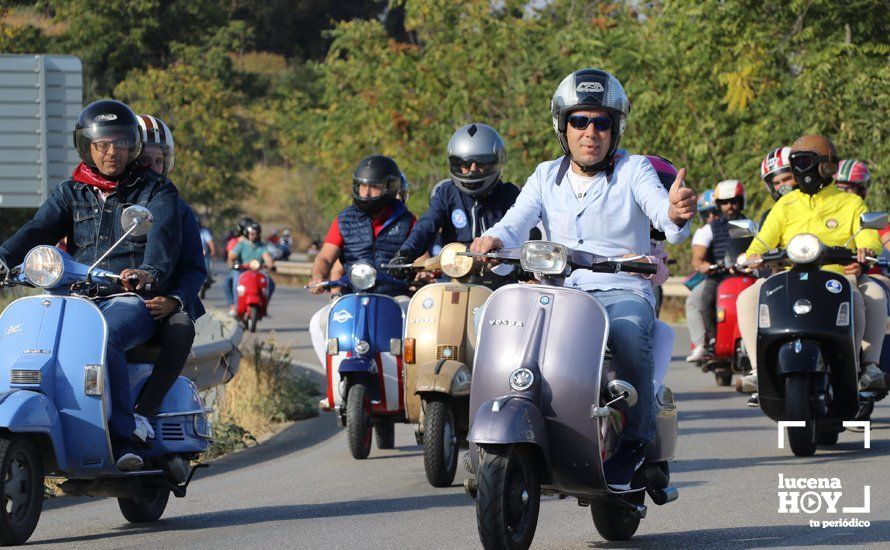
[[631, 321], [129, 324], [231, 286]]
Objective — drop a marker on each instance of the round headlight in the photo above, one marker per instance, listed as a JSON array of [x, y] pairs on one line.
[[44, 266], [453, 265], [804, 248], [362, 276]]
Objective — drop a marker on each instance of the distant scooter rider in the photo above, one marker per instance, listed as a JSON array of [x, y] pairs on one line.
[[711, 247], [820, 208], [177, 310], [695, 320], [475, 199], [87, 208], [252, 248], [853, 177], [372, 229], [775, 172]]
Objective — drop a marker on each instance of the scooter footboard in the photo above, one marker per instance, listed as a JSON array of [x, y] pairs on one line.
[[28, 412], [507, 421]]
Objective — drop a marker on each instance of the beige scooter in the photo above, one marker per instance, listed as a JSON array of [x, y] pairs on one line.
[[440, 342]]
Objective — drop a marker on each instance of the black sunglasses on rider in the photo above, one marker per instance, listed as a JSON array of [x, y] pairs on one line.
[[804, 161], [735, 200], [581, 122]]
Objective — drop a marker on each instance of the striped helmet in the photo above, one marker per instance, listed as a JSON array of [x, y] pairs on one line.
[[728, 190], [776, 162], [154, 132], [853, 172]]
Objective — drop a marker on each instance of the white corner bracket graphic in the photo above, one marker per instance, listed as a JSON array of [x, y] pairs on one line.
[[788, 424], [866, 503], [865, 425]]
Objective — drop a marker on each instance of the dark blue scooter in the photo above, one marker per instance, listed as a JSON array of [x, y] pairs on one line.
[[55, 399], [365, 376]]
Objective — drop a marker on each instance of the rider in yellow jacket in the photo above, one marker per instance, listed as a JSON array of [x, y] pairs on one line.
[[818, 207]]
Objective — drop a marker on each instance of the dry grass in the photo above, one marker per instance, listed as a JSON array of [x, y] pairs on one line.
[[24, 16], [285, 198]]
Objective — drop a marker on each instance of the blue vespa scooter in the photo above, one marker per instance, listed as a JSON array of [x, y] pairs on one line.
[[55, 400], [363, 364]]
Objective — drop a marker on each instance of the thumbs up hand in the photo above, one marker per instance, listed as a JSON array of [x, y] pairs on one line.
[[682, 201]]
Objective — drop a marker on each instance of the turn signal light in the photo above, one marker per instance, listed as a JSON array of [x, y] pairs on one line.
[[409, 350], [721, 314]]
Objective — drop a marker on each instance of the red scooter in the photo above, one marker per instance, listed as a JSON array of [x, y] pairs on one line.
[[252, 294]]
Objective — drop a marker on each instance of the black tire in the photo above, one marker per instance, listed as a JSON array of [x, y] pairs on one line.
[[508, 498], [826, 437], [21, 486], [147, 509], [385, 433], [440, 447], [615, 522], [358, 421], [254, 316], [723, 376], [797, 407]]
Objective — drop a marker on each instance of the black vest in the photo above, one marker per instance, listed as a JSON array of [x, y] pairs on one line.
[[720, 241], [359, 243]]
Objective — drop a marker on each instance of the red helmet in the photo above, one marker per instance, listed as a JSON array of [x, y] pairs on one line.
[[776, 162], [728, 190], [853, 173]]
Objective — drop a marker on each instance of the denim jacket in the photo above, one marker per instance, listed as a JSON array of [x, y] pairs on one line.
[[73, 210], [190, 272]]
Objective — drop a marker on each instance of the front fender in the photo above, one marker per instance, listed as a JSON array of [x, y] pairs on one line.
[[23, 412], [509, 420], [444, 376], [357, 365], [803, 356]]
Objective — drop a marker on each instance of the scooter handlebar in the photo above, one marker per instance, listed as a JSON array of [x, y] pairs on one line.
[[638, 267]]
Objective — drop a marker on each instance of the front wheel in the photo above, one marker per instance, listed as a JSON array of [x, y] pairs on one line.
[[254, 316], [508, 497], [385, 433], [614, 521], [797, 407], [358, 421], [22, 489], [146, 509], [439, 443]]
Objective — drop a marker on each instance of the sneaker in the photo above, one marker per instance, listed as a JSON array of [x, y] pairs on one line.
[[143, 431], [620, 468], [698, 353], [747, 384], [754, 401], [129, 463], [873, 378]]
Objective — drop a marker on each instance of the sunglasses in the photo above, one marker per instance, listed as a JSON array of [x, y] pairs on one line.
[[805, 161], [581, 122], [736, 201], [103, 146]]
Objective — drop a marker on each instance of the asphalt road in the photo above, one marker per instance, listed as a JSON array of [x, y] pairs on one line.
[[302, 489]]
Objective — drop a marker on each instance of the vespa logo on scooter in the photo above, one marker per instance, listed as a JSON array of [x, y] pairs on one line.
[[341, 316]]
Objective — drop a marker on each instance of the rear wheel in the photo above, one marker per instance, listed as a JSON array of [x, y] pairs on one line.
[[254, 316], [385, 433], [439, 443], [723, 376], [797, 407], [146, 509], [21, 486], [826, 437], [508, 497], [614, 521], [358, 421]]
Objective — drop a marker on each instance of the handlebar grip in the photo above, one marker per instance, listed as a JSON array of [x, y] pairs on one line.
[[638, 267]]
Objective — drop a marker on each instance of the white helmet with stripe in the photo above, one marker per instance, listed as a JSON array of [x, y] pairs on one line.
[[156, 135]]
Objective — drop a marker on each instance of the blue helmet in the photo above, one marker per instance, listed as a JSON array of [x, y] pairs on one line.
[[706, 202]]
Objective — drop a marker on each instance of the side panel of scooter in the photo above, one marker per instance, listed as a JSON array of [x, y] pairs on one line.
[[563, 332], [830, 321], [177, 433], [728, 329], [376, 319]]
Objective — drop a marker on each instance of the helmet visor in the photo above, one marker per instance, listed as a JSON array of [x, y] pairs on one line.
[[475, 167], [108, 138]]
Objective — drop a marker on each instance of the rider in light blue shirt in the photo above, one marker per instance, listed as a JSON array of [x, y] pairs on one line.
[[600, 199]]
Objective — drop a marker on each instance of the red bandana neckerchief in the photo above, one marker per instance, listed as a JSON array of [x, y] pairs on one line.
[[87, 175]]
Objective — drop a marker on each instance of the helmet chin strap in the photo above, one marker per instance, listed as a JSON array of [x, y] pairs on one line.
[[591, 169]]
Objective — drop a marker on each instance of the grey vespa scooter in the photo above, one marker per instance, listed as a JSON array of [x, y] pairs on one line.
[[546, 408]]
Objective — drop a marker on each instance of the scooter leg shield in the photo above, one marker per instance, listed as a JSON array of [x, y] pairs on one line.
[[28, 412]]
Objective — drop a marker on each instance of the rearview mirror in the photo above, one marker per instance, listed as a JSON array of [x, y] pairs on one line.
[[873, 220], [139, 218], [742, 228]]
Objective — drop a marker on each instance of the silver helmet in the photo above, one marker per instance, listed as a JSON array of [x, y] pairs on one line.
[[476, 145], [590, 89]]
